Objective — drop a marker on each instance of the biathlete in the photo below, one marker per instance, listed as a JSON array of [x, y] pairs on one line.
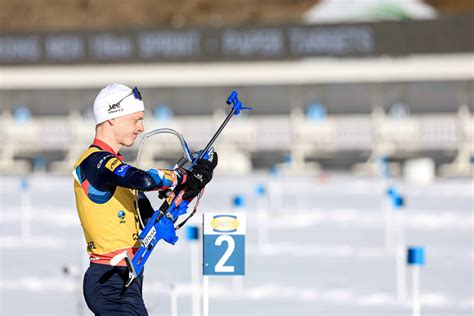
[[105, 189]]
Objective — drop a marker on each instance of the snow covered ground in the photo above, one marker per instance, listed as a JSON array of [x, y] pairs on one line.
[[325, 253]]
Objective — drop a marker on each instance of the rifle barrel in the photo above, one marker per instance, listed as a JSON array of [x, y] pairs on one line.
[[213, 139]]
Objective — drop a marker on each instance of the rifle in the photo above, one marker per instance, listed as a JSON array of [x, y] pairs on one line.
[[162, 224]]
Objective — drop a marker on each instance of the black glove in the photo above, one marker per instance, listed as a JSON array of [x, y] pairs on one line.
[[199, 176]]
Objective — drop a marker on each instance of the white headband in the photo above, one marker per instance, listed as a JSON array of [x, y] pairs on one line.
[[116, 100]]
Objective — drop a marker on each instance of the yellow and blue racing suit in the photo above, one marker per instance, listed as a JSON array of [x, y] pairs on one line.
[[105, 190]]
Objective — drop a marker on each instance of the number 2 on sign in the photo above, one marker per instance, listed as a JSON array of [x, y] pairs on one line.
[[220, 266]]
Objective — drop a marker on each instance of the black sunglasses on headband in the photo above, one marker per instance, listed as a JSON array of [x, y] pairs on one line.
[[136, 93]]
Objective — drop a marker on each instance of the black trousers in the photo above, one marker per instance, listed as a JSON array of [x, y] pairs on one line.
[[106, 294]]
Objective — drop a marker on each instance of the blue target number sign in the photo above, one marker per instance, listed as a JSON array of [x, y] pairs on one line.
[[224, 244]]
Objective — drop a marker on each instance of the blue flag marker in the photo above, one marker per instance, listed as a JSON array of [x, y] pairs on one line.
[[416, 256], [239, 201], [397, 201], [260, 190], [192, 233], [416, 259], [24, 184], [392, 191]]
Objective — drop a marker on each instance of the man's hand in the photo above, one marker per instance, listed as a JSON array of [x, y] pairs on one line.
[[200, 176]]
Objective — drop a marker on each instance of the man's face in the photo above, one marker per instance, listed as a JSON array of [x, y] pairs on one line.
[[128, 127]]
